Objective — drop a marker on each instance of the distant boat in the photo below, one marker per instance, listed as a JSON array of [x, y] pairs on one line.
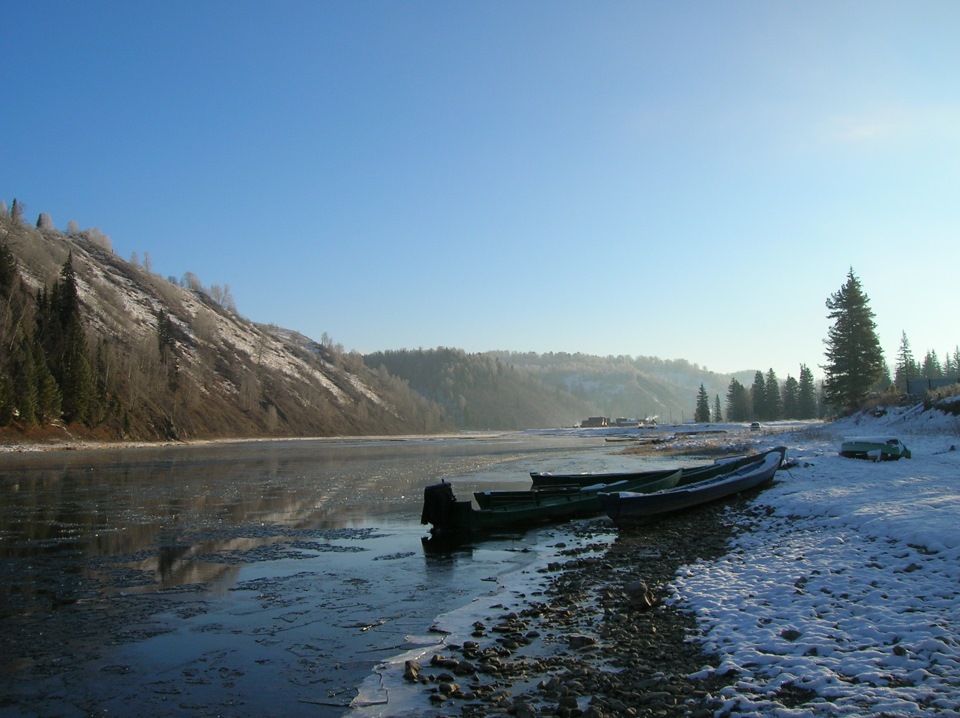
[[512, 509], [877, 448], [626, 507]]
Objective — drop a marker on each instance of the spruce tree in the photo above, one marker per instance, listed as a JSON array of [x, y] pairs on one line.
[[24, 387], [906, 367], [931, 368], [8, 270], [758, 396], [791, 398], [702, 413], [717, 411], [64, 340], [48, 392], [738, 402], [807, 394], [854, 357], [772, 403]]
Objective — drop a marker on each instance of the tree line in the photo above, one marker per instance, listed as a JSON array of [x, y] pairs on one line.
[[854, 371], [767, 399]]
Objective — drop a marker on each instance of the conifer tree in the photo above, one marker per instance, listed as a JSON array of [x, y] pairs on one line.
[[702, 413], [758, 396], [906, 367], [164, 336], [8, 270], [807, 397], [931, 368], [854, 357], [772, 395], [738, 402], [16, 211], [65, 344], [48, 393], [791, 398], [24, 387], [717, 411]]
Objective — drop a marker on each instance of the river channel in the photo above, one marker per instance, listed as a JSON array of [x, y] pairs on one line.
[[242, 579]]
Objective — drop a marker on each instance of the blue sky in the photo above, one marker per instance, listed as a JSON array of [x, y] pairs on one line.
[[675, 179]]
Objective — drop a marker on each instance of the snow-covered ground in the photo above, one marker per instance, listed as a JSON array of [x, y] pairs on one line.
[[842, 595]]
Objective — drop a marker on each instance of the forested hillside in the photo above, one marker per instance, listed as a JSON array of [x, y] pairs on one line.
[[516, 390], [94, 346], [640, 387], [480, 391]]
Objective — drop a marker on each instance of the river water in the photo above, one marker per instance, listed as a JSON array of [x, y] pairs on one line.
[[242, 579]]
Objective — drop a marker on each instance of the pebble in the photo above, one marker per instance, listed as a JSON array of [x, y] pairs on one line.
[[601, 638]]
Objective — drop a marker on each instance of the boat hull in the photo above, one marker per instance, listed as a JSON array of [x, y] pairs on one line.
[[875, 448], [743, 475], [544, 480], [499, 510]]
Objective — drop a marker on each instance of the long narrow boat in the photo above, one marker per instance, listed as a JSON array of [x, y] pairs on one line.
[[544, 479], [505, 509], [626, 507]]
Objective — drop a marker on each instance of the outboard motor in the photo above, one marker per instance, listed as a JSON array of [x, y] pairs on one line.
[[438, 501]]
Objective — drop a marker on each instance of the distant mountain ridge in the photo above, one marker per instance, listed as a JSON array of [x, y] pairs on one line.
[[501, 389], [177, 364]]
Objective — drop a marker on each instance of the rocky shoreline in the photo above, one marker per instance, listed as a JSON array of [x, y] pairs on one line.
[[598, 640]]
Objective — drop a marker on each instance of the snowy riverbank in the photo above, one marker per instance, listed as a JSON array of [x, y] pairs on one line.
[[849, 588], [837, 594]]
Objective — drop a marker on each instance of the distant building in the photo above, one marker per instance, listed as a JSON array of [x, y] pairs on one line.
[[918, 387], [595, 422]]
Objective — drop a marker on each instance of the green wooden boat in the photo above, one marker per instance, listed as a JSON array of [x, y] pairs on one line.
[[449, 516], [876, 448]]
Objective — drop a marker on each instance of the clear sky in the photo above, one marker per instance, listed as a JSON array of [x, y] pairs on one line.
[[675, 179]]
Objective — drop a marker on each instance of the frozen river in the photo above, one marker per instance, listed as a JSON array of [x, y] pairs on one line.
[[257, 578]]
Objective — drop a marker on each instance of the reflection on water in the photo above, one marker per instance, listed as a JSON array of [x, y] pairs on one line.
[[169, 506], [274, 562]]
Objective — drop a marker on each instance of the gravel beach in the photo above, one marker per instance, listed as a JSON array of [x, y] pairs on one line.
[[598, 640]]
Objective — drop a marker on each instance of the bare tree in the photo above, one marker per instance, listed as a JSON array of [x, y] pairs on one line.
[[192, 281], [45, 221], [99, 238], [223, 297]]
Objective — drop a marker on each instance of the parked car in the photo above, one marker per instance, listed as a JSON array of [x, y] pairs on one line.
[[755, 426]]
